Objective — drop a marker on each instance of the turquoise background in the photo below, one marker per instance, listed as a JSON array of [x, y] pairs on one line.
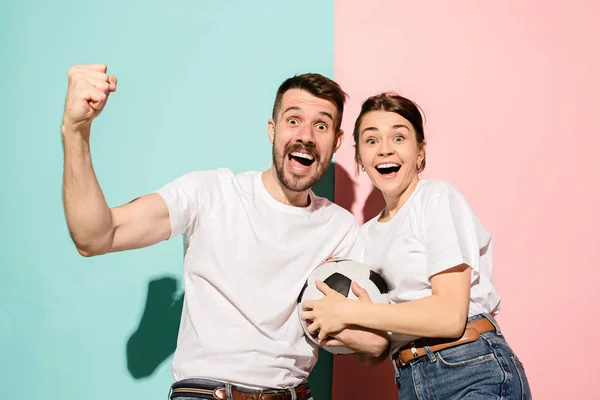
[[197, 80]]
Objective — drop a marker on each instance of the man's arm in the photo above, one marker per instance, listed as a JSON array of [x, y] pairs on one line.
[[371, 347], [94, 227], [373, 358]]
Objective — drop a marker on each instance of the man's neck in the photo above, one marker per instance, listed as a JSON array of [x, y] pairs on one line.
[[283, 195]]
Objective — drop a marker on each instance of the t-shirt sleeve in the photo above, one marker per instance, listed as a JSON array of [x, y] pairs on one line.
[[451, 233], [357, 251], [189, 198], [349, 247]]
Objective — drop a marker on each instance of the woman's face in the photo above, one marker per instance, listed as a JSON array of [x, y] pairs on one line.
[[389, 152]]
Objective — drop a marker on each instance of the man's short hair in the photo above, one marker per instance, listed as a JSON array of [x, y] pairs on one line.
[[317, 85]]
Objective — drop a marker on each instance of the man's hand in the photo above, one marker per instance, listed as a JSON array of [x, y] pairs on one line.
[[371, 347], [88, 89]]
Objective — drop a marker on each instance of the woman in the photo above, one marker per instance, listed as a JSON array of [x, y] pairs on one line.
[[437, 256]]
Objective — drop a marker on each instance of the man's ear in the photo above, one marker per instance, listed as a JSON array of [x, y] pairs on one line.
[[271, 130], [339, 138]]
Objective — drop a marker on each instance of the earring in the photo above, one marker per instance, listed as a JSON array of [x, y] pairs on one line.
[[363, 169]]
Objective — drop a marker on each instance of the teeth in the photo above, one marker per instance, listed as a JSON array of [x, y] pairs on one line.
[[388, 165], [302, 155]]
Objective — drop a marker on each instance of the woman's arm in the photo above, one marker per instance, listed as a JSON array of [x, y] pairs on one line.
[[442, 314]]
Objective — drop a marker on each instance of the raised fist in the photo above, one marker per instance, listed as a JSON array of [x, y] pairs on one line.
[[87, 93]]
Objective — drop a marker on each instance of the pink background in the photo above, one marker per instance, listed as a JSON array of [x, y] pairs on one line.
[[511, 94]]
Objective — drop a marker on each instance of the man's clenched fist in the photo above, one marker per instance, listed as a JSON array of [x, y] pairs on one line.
[[87, 92]]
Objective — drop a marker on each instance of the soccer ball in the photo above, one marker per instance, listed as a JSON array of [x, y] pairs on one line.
[[338, 275]]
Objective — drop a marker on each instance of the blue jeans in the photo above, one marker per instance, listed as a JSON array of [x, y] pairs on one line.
[[484, 369], [213, 384]]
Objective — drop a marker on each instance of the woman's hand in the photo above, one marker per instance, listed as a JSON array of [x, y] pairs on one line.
[[332, 313]]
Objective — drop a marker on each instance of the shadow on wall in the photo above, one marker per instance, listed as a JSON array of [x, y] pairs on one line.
[[346, 195], [373, 205], [155, 338]]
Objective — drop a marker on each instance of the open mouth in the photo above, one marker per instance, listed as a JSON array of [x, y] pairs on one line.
[[387, 168], [302, 158]]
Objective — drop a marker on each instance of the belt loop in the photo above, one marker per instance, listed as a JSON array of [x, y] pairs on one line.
[[395, 362], [430, 355], [493, 321], [293, 392], [228, 391]]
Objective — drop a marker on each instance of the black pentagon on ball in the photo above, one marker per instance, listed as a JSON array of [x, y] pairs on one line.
[[379, 282], [339, 283]]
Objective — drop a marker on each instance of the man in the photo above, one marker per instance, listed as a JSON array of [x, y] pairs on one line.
[[250, 241]]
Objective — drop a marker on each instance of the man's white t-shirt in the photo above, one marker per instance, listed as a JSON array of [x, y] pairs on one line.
[[247, 257], [435, 230]]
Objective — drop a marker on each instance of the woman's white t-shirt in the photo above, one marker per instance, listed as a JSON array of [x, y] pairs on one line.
[[435, 230]]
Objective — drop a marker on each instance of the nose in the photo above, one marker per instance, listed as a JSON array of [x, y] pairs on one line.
[[384, 150], [306, 136]]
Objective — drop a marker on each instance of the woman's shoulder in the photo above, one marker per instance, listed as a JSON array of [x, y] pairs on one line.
[[434, 188], [434, 193]]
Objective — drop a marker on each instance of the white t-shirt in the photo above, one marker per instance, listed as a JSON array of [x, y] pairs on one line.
[[247, 257], [435, 230]]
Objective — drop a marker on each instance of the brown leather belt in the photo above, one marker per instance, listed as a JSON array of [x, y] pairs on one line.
[[220, 393], [416, 349]]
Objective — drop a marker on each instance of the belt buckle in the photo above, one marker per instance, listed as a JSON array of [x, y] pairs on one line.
[[402, 363], [413, 350], [220, 393]]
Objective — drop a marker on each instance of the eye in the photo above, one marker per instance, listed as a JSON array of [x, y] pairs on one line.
[[293, 121], [370, 141], [399, 138], [322, 126]]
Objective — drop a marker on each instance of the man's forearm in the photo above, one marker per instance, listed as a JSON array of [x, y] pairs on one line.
[[88, 215], [374, 357]]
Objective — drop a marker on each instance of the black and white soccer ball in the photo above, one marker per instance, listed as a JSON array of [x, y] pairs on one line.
[[338, 275]]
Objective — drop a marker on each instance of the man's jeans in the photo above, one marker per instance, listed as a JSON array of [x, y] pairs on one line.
[[484, 369]]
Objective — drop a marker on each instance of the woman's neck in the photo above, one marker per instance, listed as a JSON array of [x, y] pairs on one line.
[[395, 201]]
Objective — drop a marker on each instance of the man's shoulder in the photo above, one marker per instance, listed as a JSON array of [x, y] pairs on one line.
[[221, 175], [204, 173]]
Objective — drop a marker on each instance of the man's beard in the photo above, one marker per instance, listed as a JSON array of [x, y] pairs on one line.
[[297, 183]]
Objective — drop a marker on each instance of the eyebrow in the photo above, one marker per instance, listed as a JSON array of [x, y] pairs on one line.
[[296, 108], [372, 128], [326, 114]]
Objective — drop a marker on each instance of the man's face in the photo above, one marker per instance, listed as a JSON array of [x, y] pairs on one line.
[[303, 138]]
